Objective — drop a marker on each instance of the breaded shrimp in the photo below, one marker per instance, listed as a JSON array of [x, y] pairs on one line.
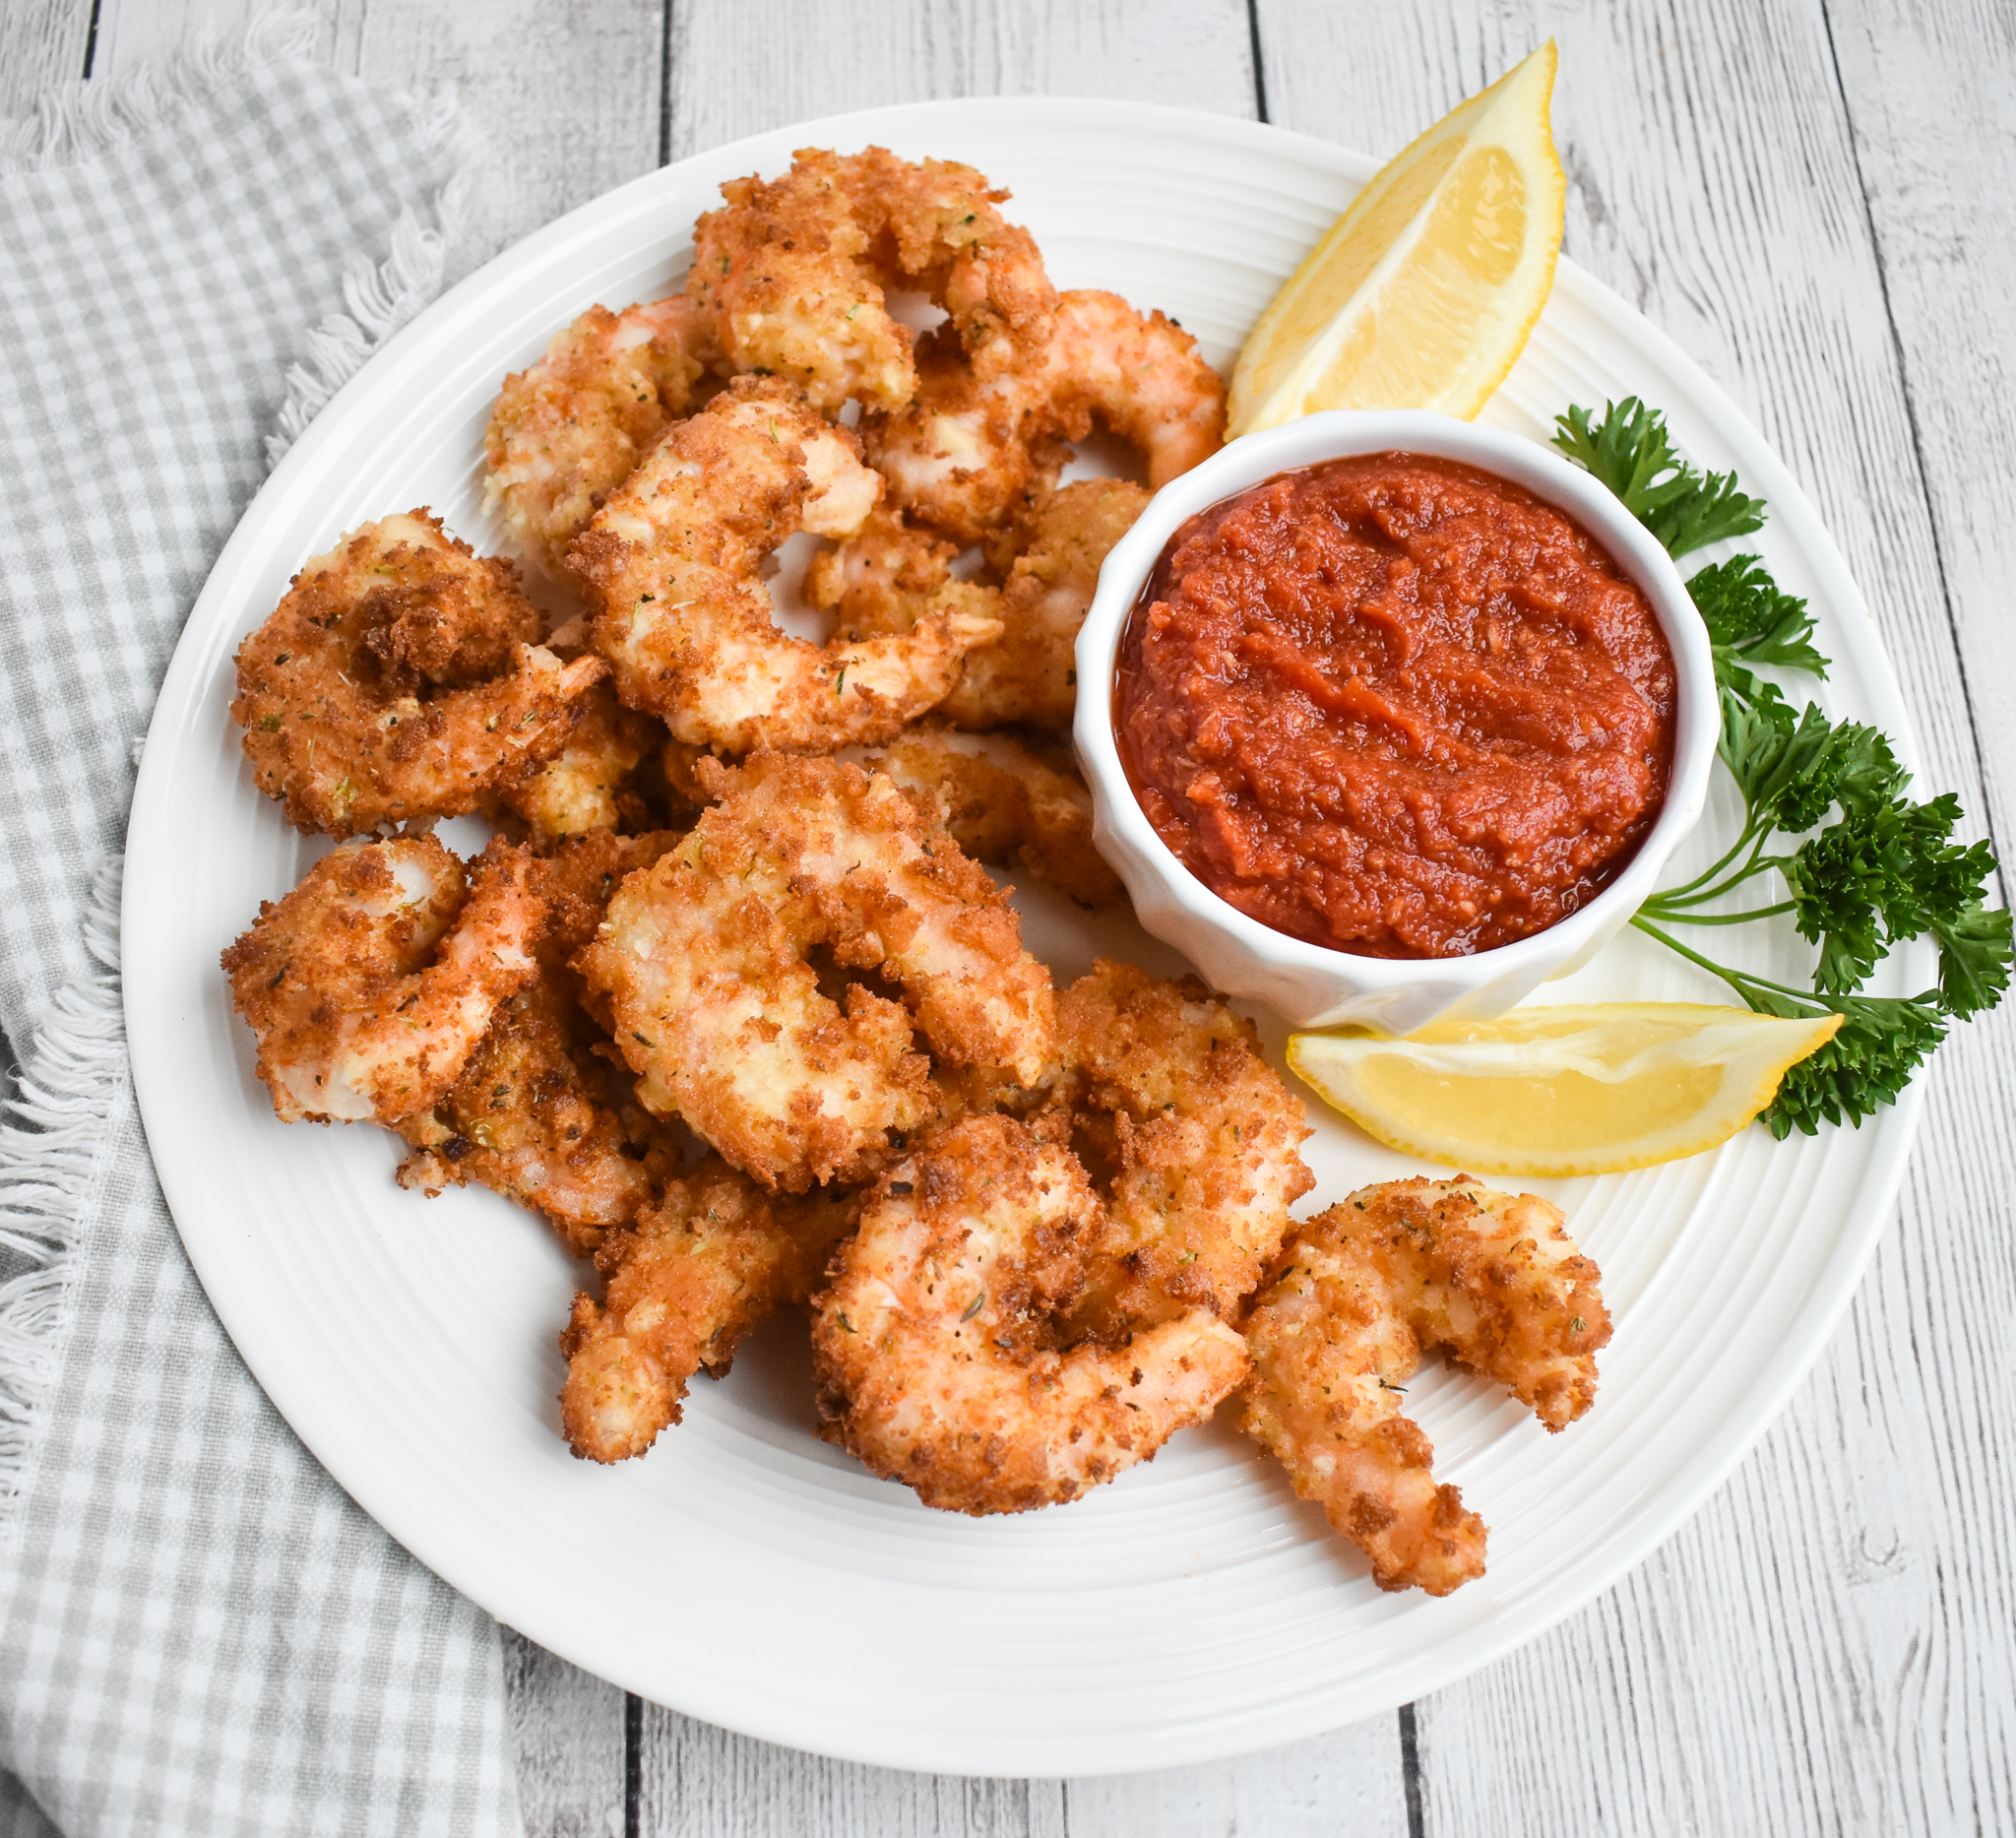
[[1196, 1141], [672, 560], [533, 1118], [539, 1114], [1004, 804], [714, 1258], [1030, 673], [702, 964], [369, 985], [937, 1344], [975, 446], [888, 575], [790, 274], [570, 429], [1356, 1296], [586, 787], [398, 680]]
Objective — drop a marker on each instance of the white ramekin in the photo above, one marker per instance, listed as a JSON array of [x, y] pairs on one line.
[[1310, 985]]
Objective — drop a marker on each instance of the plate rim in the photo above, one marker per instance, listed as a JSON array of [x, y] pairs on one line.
[[151, 1043]]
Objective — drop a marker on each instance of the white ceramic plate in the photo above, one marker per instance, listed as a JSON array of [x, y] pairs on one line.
[[743, 1571]]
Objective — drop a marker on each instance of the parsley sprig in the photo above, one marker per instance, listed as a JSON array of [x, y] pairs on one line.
[[1862, 866]]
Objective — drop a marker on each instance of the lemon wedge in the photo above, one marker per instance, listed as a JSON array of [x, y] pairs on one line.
[[1584, 1090], [1422, 294]]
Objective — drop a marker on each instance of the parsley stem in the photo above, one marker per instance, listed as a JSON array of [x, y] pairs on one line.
[[1735, 979], [1671, 894], [1724, 919]]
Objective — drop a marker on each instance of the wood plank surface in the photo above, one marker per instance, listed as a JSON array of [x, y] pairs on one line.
[[697, 1779], [1190, 53], [1816, 202], [1827, 1647], [45, 44]]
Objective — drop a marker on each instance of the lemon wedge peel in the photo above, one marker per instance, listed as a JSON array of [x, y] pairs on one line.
[[1588, 1089], [1421, 295]]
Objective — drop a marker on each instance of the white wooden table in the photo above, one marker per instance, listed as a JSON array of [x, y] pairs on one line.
[[1817, 198]]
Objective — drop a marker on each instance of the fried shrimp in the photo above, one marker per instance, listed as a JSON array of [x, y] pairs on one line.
[[714, 1258], [702, 964], [1030, 673], [539, 1115], [1005, 803], [569, 429], [399, 678], [586, 787], [790, 274], [369, 985], [937, 1345], [890, 574], [1194, 1137], [975, 446], [685, 618], [1356, 1296]]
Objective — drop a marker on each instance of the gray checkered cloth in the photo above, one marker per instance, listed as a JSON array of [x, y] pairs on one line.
[[199, 1631]]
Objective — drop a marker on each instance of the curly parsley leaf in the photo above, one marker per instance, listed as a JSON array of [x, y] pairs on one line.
[[1881, 1043], [1751, 622], [1884, 871], [1973, 959], [1630, 452]]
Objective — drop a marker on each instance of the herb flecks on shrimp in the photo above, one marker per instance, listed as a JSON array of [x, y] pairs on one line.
[[790, 272], [1357, 1297], [567, 430], [713, 1258], [540, 1113], [703, 964], [399, 680], [1005, 803], [1194, 1139], [976, 445], [938, 1347], [370, 984], [672, 561]]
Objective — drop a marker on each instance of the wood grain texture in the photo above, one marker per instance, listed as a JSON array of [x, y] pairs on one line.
[[728, 80], [564, 95], [1927, 92], [568, 1726], [1816, 205], [44, 43], [1826, 1647], [700, 1782]]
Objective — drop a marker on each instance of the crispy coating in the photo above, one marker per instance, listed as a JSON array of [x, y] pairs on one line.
[[890, 574], [1005, 803], [703, 966], [586, 786], [712, 1260], [790, 274], [1195, 1139], [1355, 1298], [399, 680], [1030, 673], [937, 1344], [570, 429], [533, 1118], [975, 446], [369, 985], [685, 619], [540, 1114]]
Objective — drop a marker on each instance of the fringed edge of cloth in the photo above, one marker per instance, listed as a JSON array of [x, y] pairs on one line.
[[53, 1159], [75, 122]]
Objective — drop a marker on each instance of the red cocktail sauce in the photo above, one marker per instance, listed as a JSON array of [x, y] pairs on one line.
[[1396, 706]]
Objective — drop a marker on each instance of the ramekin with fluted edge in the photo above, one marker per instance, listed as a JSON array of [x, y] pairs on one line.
[[1312, 985]]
